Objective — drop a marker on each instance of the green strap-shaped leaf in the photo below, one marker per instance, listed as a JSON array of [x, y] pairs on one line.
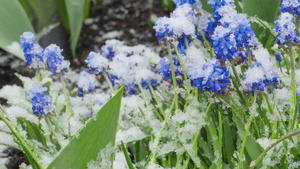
[[75, 10], [14, 22], [93, 137], [128, 160], [252, 147], [266, 10]]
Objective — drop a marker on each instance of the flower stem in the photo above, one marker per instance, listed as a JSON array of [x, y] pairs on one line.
[[109, 82], [68, 104], [146, 101], [184, 72], [249, 57], [248, 127], [53, 131], [206, 41], [293, 85], [272, 145], [173, 75], [235, 73]]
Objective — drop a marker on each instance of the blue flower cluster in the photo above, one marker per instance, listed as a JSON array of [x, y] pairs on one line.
[[164, 68], [286, 30], [210, 76], [215, 21], [180, 27], [96, 63], [242, 31], [259, 79], [86, 83], [223, 45], [291, 6], [56, 62], [33, 52], [41, 102], [37, 57]]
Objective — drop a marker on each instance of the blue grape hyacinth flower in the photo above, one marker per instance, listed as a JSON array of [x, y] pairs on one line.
[[56, 62], [291, 6], [164, 68], [96, 63], [224, 44], [178, 28], [242, 31], [261, 79], [41, 102], [210, 76], [86, 83], [286, 30], [33, 52]]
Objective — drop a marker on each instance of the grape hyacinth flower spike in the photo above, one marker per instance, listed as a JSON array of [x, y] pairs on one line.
[[56, 62], [41, 102], [210, 76], [33, 52], [86, 83], [291, 6], [285, 27], [164, 68], [179, 29], [224, 44]]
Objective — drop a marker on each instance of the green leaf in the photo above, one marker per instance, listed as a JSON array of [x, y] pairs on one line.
[[34, 132], [94, 136], [14, 22], [75, 11], [62, 12], [87, 8], [252, 147], [40, 10], [128, 160], [266, 10], [228, 141]]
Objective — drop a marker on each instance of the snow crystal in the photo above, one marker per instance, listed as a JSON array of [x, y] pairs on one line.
[[132, 134], [103, 160], [16, 49]]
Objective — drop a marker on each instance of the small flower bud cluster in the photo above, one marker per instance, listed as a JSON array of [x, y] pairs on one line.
[[224, 44], [164, 69], [33, 52], [86, 83], [261, 77], [210, 76], [123, 65], [55, 60], [37, 57], [180, 28], [286, 30], [41, 102], [291, 6]]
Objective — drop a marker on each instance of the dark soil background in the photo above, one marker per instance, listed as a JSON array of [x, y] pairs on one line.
[[128, 19]]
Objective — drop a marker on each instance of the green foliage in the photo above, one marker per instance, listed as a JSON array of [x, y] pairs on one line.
[[14, 22], [98, 132], [75, 11], [128, 160], [40, 11], [266, 10]]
